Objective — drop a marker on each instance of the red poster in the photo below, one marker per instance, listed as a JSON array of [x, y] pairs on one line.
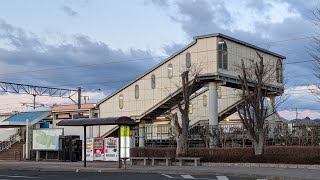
[[98, 149]]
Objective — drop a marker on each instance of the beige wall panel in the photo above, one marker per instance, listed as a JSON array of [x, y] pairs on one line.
[[202, 62], [211, 44], [202, 45]]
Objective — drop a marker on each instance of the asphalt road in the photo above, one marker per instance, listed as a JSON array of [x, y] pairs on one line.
[[19, 175]]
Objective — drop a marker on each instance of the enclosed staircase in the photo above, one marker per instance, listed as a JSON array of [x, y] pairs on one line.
[[170, 102], [12, 148]]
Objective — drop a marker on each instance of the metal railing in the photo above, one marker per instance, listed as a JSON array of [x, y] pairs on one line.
[[159, 132], [11, 140]]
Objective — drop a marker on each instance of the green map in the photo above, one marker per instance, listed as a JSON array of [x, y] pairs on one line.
[[46, 139]]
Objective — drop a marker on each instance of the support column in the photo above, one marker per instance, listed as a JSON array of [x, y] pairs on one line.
[[142, 133], [271, 118], [213, 115], [27, 140], [84, 146], [91, 127]]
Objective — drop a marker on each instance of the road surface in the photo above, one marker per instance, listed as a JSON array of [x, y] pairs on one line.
[[20, 175]]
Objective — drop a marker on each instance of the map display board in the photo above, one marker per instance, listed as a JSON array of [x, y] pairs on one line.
[[46, 139], [111, 148]]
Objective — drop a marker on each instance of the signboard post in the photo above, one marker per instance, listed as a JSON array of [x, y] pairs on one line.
[[125, 141]]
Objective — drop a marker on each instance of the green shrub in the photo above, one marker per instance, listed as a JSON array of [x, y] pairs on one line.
[[273, 154]]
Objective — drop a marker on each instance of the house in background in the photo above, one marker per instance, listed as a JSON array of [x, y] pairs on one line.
[[5, 132], [64, 112]]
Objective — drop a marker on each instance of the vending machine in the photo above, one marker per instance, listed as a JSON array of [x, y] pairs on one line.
[[70, 148]]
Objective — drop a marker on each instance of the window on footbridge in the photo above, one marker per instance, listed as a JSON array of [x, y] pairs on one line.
[[188, 60], [279, 72], [190, 108], [219, 92], [136, 91], [153, 81], [205, 100], [222, 54], [121, 101], [170, 71]]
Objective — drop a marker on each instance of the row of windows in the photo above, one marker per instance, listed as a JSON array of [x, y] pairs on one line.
[[222, 64], [136, 95], [223, 60]]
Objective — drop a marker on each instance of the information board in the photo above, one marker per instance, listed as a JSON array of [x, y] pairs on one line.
[[46, 139]]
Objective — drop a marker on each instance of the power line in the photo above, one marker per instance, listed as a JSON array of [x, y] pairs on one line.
[[153, 57]]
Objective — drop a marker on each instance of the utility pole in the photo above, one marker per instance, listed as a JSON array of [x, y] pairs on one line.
[[34, 101], [79, 97], [85, 99]]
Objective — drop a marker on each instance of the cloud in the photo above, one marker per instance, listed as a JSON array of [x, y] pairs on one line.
[[24, 102], [301, 114], [172, 48], [69, 11], [161, 3], [281, 26], [78, 62]]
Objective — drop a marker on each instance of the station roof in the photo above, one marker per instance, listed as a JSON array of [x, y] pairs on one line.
[[123, 120], [20, 119], [72, 107]]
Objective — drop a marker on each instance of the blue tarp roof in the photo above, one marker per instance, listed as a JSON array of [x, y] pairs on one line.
[[21, 118]]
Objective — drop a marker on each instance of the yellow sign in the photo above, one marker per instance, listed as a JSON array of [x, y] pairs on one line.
[[124, 130]]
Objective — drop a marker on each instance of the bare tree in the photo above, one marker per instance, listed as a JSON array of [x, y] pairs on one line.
[[182, 130], [253, 111], [314, 51]]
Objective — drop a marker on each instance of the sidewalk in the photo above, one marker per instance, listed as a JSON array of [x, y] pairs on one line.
[[269, 171]]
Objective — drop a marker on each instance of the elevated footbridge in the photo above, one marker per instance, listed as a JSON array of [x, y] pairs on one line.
[[159, 89]]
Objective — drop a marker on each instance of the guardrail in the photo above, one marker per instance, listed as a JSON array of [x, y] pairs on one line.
[[11, 140]]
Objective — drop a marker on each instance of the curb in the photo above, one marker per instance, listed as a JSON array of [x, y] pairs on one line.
[[285, 166], [129, 170]]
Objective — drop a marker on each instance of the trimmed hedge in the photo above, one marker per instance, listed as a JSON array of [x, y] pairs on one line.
[[273, 154]]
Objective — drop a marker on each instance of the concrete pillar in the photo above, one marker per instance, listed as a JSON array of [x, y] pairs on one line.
[[271, 118], [142, 133], [213, 115], [90, 130], [27, 140]]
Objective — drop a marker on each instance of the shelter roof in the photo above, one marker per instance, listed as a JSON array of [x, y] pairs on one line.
[[123, 120], [20, 119]]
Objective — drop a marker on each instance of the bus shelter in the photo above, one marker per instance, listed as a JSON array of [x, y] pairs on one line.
[[84, 122]]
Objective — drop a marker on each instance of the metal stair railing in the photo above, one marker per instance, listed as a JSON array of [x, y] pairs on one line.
[[11, 140]]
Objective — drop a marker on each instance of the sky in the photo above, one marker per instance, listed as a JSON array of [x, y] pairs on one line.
[[102, 45]]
